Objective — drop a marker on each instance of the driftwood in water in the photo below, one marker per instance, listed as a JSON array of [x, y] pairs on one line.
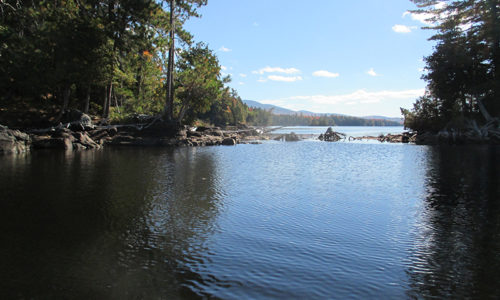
[[331, 136], [404, 137]]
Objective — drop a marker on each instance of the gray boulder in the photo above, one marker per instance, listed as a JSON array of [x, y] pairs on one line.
[[13, 141], [291, 137], [228, 142], [78, 121]]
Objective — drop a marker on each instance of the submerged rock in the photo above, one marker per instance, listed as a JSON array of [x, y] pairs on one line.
[[289, 137]]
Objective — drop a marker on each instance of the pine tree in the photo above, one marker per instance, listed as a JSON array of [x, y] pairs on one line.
[[463, 72]]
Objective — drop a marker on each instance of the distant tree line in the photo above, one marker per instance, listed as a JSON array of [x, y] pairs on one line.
[[259, 116], [328, 120], [463, 72]]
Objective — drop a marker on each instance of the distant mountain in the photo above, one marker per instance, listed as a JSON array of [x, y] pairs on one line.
[[276, 109], [280, 110], [284, 111]]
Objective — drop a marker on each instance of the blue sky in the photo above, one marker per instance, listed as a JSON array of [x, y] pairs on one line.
[[356, 57]]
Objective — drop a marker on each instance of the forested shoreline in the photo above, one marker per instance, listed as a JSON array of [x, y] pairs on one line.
[[121, 60], [112, 60], [462, 99]]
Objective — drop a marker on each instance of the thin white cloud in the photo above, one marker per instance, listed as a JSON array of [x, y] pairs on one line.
[[361, 95], [261, 79], [243, 75], [403, 28], [224, 49], [277, 70], [255, 24], [370, 101], [223, 68], [425, 18], [372, 72], [284, 78], [241, 83], [323, 73]]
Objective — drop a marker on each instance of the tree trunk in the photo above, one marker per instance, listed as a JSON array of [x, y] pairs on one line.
[[495, 50], [483, 110], [87, 101], [66, 94], [107, 101], [108, 92], [182, 112], [170, 70], [139, 82], [105, 104], [116, 103]]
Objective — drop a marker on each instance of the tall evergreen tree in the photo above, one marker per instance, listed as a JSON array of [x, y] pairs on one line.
[[463, 73]]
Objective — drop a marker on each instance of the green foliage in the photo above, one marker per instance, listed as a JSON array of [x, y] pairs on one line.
[[198, 81], [228, 109], [425, 115], [95, 49], [260, 117], [464, 69]]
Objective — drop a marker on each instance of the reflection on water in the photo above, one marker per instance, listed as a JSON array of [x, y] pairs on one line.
[[100, 224], [277, 220], [457, 243]]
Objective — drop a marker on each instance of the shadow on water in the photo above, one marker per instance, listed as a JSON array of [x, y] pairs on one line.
[[105, 224], [457, 244]]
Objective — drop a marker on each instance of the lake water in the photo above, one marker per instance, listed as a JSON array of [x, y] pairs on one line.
[[354, 131], [298, 220]]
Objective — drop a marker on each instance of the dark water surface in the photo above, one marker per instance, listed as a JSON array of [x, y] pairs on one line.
[[303, 220]]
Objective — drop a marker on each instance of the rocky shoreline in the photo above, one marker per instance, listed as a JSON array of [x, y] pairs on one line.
[[69, 137], [82, 135]]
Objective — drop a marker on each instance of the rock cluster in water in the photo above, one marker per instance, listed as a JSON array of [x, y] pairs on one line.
[[331, 136]]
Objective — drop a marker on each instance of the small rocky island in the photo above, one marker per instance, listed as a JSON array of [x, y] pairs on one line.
[[470, 135], [332, 136]]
